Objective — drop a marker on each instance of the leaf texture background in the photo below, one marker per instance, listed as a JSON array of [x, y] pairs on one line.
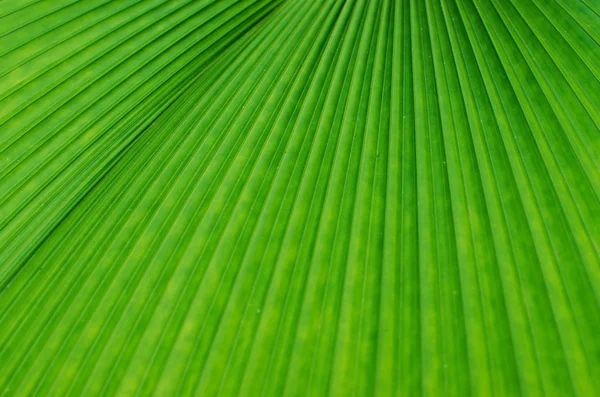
[[321, 197]]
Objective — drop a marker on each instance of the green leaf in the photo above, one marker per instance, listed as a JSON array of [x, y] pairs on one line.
[[320, 197]]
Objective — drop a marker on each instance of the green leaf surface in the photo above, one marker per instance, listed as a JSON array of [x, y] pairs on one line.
[[300, 198]]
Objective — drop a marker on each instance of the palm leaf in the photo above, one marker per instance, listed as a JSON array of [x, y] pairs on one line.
[[275, 197]]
